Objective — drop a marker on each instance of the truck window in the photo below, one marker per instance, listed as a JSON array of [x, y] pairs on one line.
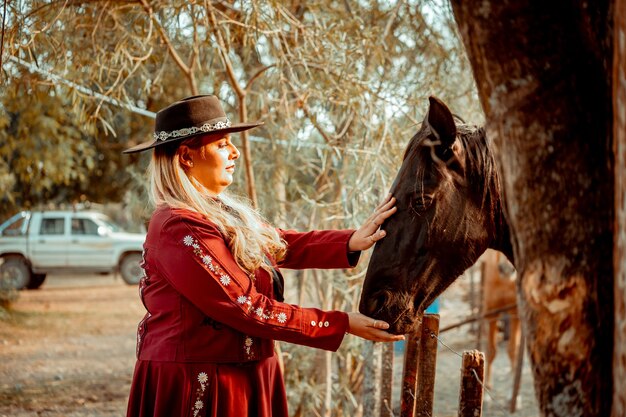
[[84, 227], [52, 226], [15, 228]]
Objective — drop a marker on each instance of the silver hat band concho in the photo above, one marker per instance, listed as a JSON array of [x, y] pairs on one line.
[[186, 131]]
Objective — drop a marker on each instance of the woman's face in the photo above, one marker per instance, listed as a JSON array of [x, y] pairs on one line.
[[212, 163]]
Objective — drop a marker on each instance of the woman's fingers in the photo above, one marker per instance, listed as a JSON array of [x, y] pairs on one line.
[[375, 237], [387, 204], [369, 233], [379, 219], [379, 324], [378, 332], [371, 329], [382, 214], [388, 337], [383, 336], [384, 206]]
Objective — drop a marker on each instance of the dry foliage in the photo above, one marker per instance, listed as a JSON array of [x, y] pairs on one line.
[[341, 87]]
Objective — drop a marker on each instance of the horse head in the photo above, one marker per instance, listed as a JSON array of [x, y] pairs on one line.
[[449, 212]]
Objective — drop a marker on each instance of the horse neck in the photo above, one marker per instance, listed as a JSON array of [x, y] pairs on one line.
[[501, 240]]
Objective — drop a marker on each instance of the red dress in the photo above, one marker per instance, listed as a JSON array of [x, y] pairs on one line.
[[206, 344]]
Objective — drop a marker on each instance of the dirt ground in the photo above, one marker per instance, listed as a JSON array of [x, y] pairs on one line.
[[68, 349]]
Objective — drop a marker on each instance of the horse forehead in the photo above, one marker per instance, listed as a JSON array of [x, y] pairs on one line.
[[407, 163]]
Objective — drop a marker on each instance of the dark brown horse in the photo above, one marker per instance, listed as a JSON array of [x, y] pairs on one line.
[[449, 212]]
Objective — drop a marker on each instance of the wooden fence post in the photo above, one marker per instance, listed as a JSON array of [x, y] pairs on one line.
[[371, 379], [386, 387], [409, 374], [471, 395], [426, 366]]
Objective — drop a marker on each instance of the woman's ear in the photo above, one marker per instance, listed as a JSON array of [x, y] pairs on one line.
[[185, 157]]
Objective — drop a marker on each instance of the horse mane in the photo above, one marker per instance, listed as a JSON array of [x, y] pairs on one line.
[[481, 168], [482, 176]]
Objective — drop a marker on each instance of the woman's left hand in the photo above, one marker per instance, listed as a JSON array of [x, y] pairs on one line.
[[369, 233]]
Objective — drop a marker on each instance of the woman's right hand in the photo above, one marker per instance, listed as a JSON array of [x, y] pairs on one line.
[[370, 329]]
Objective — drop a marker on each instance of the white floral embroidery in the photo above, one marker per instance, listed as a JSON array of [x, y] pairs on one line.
[[225, 279], [198, 405], [247, 347]]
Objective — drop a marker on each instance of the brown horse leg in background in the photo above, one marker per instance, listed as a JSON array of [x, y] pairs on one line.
[[499, 290]]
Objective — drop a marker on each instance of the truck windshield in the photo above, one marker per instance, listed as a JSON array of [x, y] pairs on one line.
[[114, 227], [15, 226]]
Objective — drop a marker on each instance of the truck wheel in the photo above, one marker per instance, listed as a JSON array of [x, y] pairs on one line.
[[130, 269], [35, 281], [14, 273]]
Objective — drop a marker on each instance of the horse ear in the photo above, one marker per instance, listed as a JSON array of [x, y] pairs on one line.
[[441, 122]]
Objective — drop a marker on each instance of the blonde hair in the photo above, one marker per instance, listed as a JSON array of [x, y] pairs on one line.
[[247, 235]]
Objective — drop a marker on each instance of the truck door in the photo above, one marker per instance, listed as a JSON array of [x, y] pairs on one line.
[[90, 246], [48, 245]]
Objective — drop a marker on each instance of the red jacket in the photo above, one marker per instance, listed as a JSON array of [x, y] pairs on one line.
[[201, 307]]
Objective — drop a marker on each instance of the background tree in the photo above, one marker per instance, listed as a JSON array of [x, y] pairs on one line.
[[619, 255], [544, 81]]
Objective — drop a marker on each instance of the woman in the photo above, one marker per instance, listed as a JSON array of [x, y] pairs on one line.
[[212, 290]]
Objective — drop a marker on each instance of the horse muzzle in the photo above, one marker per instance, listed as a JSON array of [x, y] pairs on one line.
[[392, 307]]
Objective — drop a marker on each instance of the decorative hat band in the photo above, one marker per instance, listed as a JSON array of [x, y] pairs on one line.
[[189, 117], [209, 126]]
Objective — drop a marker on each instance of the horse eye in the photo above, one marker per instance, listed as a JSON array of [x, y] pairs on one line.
[[422, 201]]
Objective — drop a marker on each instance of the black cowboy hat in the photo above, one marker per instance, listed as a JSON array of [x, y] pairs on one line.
[[189, 117]]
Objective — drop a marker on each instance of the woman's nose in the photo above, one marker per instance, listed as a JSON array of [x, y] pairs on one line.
[[235, 153]]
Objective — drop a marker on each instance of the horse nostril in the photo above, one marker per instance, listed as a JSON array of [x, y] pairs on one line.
[[378, 303], [419, 303], [372, 306]]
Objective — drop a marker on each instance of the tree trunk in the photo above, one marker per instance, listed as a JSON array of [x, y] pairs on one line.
[[247, 155], [619, 106], [543, 71]]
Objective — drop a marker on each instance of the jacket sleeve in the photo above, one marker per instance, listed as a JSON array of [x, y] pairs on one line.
[[323, 249], [196, 261]]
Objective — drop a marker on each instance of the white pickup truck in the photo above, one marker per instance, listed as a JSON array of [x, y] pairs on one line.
[[35, 243]]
